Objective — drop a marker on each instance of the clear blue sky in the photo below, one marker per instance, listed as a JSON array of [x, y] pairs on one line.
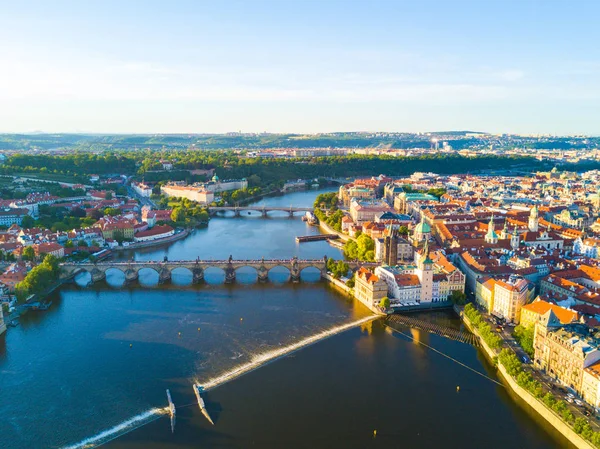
[[300, 66]]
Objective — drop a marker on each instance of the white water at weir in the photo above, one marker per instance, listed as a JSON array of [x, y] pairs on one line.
[[257, 361], [260, 359]]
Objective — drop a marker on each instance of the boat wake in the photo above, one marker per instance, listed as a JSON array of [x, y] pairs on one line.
[[257, 361], [261, 359], [120, 429]]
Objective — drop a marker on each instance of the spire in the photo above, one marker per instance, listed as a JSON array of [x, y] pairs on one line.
[[425, 259]]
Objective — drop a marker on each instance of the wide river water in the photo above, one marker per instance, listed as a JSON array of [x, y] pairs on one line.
[[94, 368]]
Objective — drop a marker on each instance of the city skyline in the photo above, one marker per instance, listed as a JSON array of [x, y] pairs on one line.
[[499, 67]]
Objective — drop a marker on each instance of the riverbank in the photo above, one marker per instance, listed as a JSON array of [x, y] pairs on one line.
[[172, 238], [341, 286], [517, 391], [326, 229]]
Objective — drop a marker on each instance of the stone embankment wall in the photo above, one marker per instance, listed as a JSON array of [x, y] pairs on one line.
[[156, 242], [541, 408], [341, 286]]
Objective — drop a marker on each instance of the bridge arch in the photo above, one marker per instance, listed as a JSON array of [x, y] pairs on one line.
[[279, 273], [182, 276], [82, 278], [148, 276], [214, 274], [114, 276], [311, 273]]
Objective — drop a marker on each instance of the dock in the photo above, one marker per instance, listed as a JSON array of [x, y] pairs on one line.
[[316, 237]]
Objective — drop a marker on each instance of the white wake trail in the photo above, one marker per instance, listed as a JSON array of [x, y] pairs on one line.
[[119, 429]]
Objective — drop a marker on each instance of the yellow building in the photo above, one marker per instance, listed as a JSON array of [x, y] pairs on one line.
[[565, 352], [484, 293], [533, 313], [369, 288], [590, 386]]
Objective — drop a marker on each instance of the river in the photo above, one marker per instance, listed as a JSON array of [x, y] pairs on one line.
[[94, 368]]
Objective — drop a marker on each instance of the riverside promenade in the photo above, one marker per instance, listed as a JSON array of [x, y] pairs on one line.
[[517, 391]]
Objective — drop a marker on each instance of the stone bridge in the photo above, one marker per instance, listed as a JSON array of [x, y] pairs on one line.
[[264, 210], [197, 267]]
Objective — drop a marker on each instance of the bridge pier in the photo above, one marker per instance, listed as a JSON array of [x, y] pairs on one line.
[[263, 274], [295, 271], [237, 213], [131, 275], [229, 275], [97, 275], [164, 276], [197, 275], [263, 213]]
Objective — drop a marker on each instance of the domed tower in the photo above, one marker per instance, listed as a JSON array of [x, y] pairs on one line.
[[422, 230], [534, 219]]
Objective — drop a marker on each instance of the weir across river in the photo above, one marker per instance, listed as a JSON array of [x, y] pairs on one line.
[[196, 267]]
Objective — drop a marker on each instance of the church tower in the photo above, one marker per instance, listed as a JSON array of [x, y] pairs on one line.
[[424, 272], [514, 239], [491, 236], [390, 247], [504, 234], [534, 219]]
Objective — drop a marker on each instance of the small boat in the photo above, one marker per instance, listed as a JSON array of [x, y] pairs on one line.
[[198, 389], [171, 411]]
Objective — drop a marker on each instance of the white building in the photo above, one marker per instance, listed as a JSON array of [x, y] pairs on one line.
[[509, 296], [428, 280], [11, 216], [142, 189], [192, 193]]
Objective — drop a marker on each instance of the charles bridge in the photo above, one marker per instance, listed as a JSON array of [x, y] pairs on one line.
[[197, 267]]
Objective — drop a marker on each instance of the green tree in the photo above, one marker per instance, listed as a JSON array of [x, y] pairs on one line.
[[457, 297], [524, 336], [112, 211], [27, 222], [28, 253], [82, 243], [109, 195], [384, 303], [178, 215], [69, 244]]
